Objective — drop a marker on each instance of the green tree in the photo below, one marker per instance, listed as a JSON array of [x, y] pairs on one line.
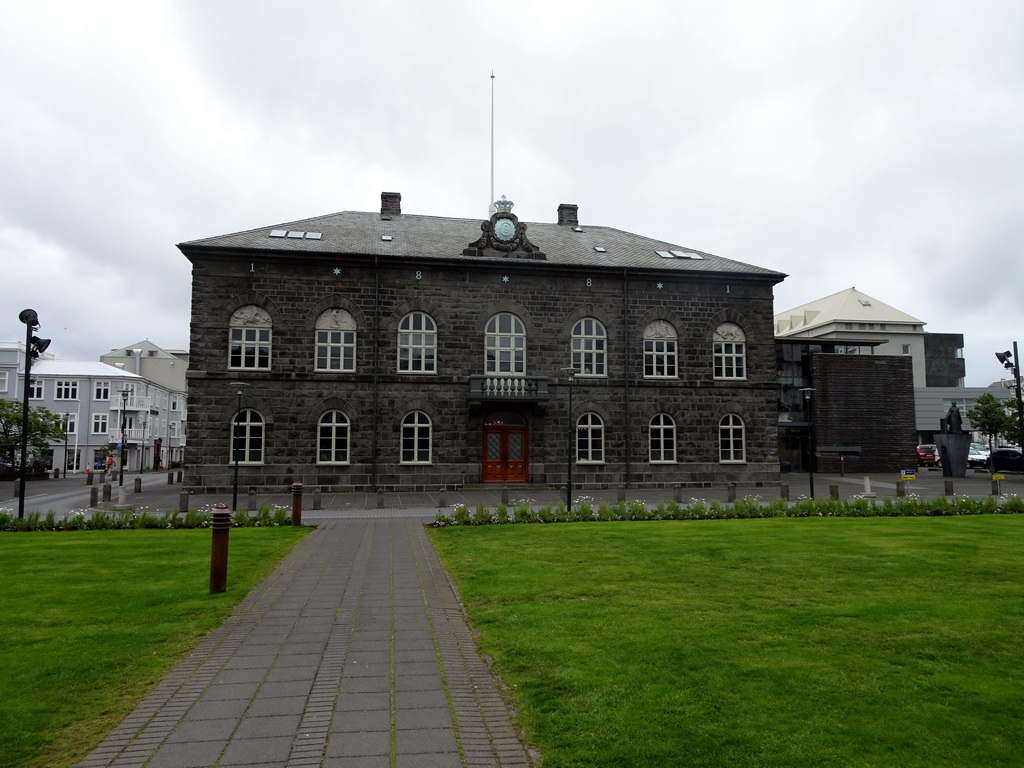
[[990, 417], [43, 426], [1012, 430]]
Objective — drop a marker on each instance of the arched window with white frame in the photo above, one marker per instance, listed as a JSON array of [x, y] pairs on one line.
[[732, 447], [730, 353], [589, 439], [417, 344], [332, 438], [662, 439], [247, 440], [589, 348], [250, 332], [505, 346], [660, 350], [416, 438], [335, 341]]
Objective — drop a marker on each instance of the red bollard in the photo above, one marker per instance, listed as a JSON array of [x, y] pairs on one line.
[[219, 551], [296, 503]]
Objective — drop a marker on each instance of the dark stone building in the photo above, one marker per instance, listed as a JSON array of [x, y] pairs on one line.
[[386, 350]]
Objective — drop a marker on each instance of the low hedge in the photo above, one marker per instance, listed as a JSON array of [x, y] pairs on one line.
[[697, 509], [138, 519]]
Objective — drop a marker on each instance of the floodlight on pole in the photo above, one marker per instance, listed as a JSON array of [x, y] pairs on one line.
[[34, 346], [1011, 362]]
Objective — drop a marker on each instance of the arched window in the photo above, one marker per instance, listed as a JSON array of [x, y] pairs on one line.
[[589, 439], [247, 437], [660, 350], [589, 347], [335, 341], [416, 438], [663, 438], [417, 344], [332, 435], [505, 346], [730, 352], [249, 347], [731, 439]]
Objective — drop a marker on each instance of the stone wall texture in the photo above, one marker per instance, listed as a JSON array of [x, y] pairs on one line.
[[461, 296]]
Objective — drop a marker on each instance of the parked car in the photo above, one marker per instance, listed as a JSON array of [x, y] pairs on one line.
[[1006, 460], [977, 456], [927, 456]]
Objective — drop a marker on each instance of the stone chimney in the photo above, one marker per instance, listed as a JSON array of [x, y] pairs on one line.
[[567, 216], [390, 203]]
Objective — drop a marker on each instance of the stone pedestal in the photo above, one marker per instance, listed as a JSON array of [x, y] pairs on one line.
[[953, 450]]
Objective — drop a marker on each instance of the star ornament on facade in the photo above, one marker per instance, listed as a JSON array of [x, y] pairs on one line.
[[660, 286], [337, 271], [504, 279]]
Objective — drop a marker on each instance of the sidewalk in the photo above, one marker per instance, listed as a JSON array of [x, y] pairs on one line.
[[354, 652]]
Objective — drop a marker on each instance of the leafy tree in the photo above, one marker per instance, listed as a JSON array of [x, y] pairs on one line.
[[990, 417], [43, 426], [1012, 430]]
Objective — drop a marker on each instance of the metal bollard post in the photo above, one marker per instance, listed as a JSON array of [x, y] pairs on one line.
[[170, 478], [296, 503], [94, 496], [833, 490], [183, 501], [317, 499], [901, 488], [88, 478], [138, 485], [677, 493], [948, 487], [442, 498], [252, 499], [730, 492], [56, 473], [219, 549], [106, 491], [784, 491], [380, 498], [621, 495], [995, 488], [504, 495]]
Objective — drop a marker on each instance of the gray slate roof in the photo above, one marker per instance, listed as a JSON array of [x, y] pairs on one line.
[[355, 232]]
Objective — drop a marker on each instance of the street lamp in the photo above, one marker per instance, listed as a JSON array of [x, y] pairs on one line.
[[34, 346], [235, 436], [124, 430], [1011, 362], [142, 449], [810, 436]]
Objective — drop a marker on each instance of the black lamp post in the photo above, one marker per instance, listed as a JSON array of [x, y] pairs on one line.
[[810, 437], [34, 346], [235, 437], [1011, 362], [124, 431]]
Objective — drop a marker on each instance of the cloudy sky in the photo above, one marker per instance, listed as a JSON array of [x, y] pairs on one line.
[[874, 143]]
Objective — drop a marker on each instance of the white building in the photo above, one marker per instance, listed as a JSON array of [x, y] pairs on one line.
[[101, 403]]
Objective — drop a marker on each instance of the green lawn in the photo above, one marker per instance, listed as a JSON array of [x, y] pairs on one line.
[[778, 642], [89, 621]]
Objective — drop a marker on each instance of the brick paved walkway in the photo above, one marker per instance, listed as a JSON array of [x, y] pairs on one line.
[[354, 652]]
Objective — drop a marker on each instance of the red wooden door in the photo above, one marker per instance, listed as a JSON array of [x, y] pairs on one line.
[[505, 449]]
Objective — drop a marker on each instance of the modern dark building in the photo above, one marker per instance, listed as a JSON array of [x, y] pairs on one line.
[[365, 350]]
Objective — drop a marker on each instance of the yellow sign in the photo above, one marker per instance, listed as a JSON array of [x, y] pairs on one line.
[[998, 477], [909, 474]]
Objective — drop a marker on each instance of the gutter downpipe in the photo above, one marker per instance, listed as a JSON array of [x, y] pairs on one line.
[[376, 371], [625, 389]]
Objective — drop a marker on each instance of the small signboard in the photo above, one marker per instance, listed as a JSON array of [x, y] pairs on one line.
[[998, 477], [908, 474]]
